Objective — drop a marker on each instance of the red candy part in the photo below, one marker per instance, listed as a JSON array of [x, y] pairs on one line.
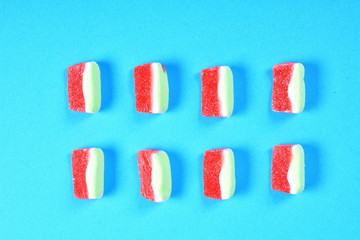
[[75, 87], [143, 88], [145, 168], [281, 159], [280, 96], [210, 104], [80, 159], [212, 165]]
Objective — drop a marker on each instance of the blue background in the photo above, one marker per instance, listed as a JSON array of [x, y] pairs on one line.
[[38, 132]]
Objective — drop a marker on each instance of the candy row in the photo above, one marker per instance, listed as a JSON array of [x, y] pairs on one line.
[[217, 97], [287, 172]]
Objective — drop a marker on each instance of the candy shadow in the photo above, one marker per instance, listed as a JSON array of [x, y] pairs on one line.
[[107, 84], [240, 89], [131, 88], [276, 196], [69, 166], [177, 174], [312, 85], [207, 202], [174, 78], [312, 166], [276, 116], [242, 170], [110, 170]]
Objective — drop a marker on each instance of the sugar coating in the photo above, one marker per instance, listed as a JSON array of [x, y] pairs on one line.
[[211, 173], [75, 89], [145, 170], [88, 173], [84, 87], [288, 169], [80, 158], [219, 173], [151, 88], [217, 97], [155, 175], [288, 88]]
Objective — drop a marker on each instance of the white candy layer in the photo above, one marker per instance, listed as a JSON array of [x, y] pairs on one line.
[[296, 89], [92, 87], [161, 176], [296, 173], [160, 92], [227, 174], [95, 173], [226, 91]]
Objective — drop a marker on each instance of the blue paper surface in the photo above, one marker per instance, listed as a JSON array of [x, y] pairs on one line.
[[38, 131]]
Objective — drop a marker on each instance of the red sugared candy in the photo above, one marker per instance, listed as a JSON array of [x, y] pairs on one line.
[[84, 87], [217, 96], [219, 173], [155, 175], [151, 88], [288, 93], [287, 172], [88, 173]]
